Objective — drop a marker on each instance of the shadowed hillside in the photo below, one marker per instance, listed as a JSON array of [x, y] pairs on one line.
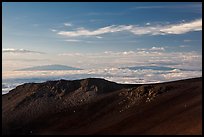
[[98, 106]]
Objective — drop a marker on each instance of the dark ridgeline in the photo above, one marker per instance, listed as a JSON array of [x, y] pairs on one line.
[[98, 106]]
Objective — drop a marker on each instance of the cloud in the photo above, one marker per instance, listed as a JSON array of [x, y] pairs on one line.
[[115, 74], [147, 23], [27, 60], [195, 6], [141, 49], [183, 27], [183, 46], [180, 28], [70, 54], [85, 32], [145, 56], [128, 52], [67, 24], [53, 30], [99, 37], [109, 65], [157, 48], [149, 7], [22, 51], [188, 60]]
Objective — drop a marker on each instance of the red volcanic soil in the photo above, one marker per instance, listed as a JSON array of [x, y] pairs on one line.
[[100, 107]]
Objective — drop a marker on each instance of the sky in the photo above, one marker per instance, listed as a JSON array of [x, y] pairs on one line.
[[92, 35]]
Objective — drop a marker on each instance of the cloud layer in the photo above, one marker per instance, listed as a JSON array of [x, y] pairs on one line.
[[153, 55], [11, 50], [118, 75], [114, 66], [180, 28]]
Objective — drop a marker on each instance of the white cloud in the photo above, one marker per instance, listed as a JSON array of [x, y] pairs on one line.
[[128, 52], [11, 50], [157, 48], [183, 27], [78, 40], [180, 28], [108, 52], [85, 32], [67, 24], [70, 54], [183, 46], [147, 23], [141, 49]]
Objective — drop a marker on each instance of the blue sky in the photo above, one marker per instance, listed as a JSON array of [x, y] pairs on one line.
[[45, 31]]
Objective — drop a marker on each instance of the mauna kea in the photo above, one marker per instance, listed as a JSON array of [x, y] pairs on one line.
[[49, 67], [96, 106]]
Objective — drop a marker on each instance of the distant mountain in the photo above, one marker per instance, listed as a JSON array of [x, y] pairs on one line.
[[49, 67], [96, 106]]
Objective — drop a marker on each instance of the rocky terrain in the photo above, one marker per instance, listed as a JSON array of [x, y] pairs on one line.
[[98, 106]]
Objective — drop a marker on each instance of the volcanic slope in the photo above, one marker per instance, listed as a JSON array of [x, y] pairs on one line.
[[97, 106]]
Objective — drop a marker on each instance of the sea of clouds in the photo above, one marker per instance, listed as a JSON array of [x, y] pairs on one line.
[[130, 75]]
